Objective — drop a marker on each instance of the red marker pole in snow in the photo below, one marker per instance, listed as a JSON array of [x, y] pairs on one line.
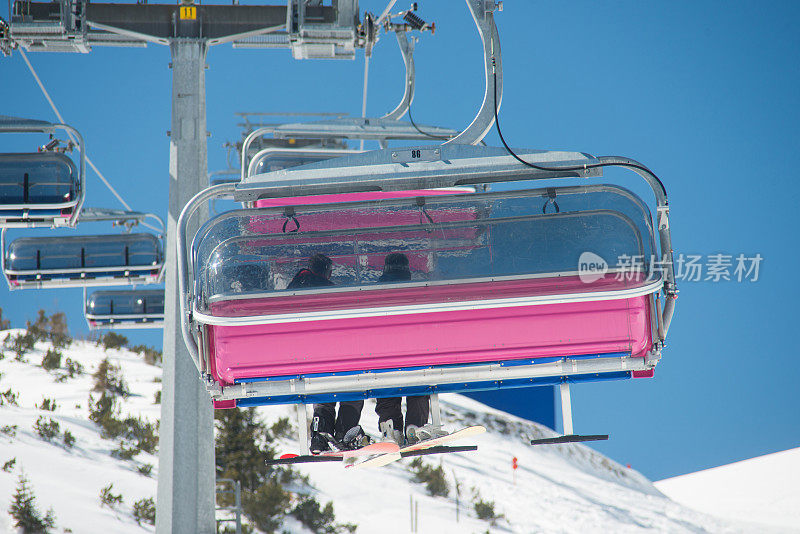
[[514, 469]]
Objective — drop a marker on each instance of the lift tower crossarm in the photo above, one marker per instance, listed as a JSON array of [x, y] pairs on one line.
[[78, 25]]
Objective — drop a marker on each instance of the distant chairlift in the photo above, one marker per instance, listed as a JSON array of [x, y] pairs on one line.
[[40, 189], [275, 159], [85, 260], [381, 129], [125, 309]]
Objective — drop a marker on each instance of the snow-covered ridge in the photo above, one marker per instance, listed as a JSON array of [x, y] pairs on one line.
[[763, 490], [561, 488]]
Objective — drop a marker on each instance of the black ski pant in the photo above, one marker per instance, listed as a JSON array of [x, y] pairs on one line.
[[338, 425], [417, 411]]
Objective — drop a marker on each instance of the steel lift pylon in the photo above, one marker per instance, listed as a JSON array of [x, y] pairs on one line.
[[186, 485]]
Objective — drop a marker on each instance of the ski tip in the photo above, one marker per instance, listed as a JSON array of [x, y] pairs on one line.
[[440, 449], [570, 438], [288, 459]]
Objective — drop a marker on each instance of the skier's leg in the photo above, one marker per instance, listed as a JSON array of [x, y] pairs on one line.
[[417, 410], [348, 431], [323, 422], [388, 409], [390, 419], [348, 417], [327, 415]]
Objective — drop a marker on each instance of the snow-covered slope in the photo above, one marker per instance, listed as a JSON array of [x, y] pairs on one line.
[[70, 480], [563, 488], [763, 490]]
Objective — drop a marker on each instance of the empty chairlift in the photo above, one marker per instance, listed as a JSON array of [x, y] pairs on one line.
[[382, 129], [125, 309], [538, 286], [81, 261], [39, 189]]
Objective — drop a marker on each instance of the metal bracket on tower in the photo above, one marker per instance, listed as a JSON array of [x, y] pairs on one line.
[[311, 36], [310, 29], [6, 44]]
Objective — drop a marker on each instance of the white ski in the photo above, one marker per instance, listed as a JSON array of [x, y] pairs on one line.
[[385, 459]]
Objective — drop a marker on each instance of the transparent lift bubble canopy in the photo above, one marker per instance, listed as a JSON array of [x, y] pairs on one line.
[[82, 261], [125, 309], [499, 289], [43, 188]]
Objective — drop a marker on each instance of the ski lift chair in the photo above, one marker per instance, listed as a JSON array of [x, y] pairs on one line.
[[274, 159], [40, 189], [531, 288], [540, 286], [86, 260], [125, 309]]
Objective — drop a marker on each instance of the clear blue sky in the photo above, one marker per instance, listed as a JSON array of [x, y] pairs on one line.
[[705, 93]]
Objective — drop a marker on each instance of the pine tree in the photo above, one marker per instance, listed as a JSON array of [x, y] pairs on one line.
[[108, 378], [238, 454], [23, 510], [58, 331], [38, 329]]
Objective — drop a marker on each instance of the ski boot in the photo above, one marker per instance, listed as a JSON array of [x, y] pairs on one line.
[[415, 434], [319, 438], [388, 433], [355, 438]]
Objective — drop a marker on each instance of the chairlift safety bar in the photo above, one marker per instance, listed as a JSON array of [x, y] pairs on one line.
[[126, 323]]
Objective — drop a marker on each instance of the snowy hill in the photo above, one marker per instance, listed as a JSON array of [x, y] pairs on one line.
[[563, 488], [763, 490], [70, 480]]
